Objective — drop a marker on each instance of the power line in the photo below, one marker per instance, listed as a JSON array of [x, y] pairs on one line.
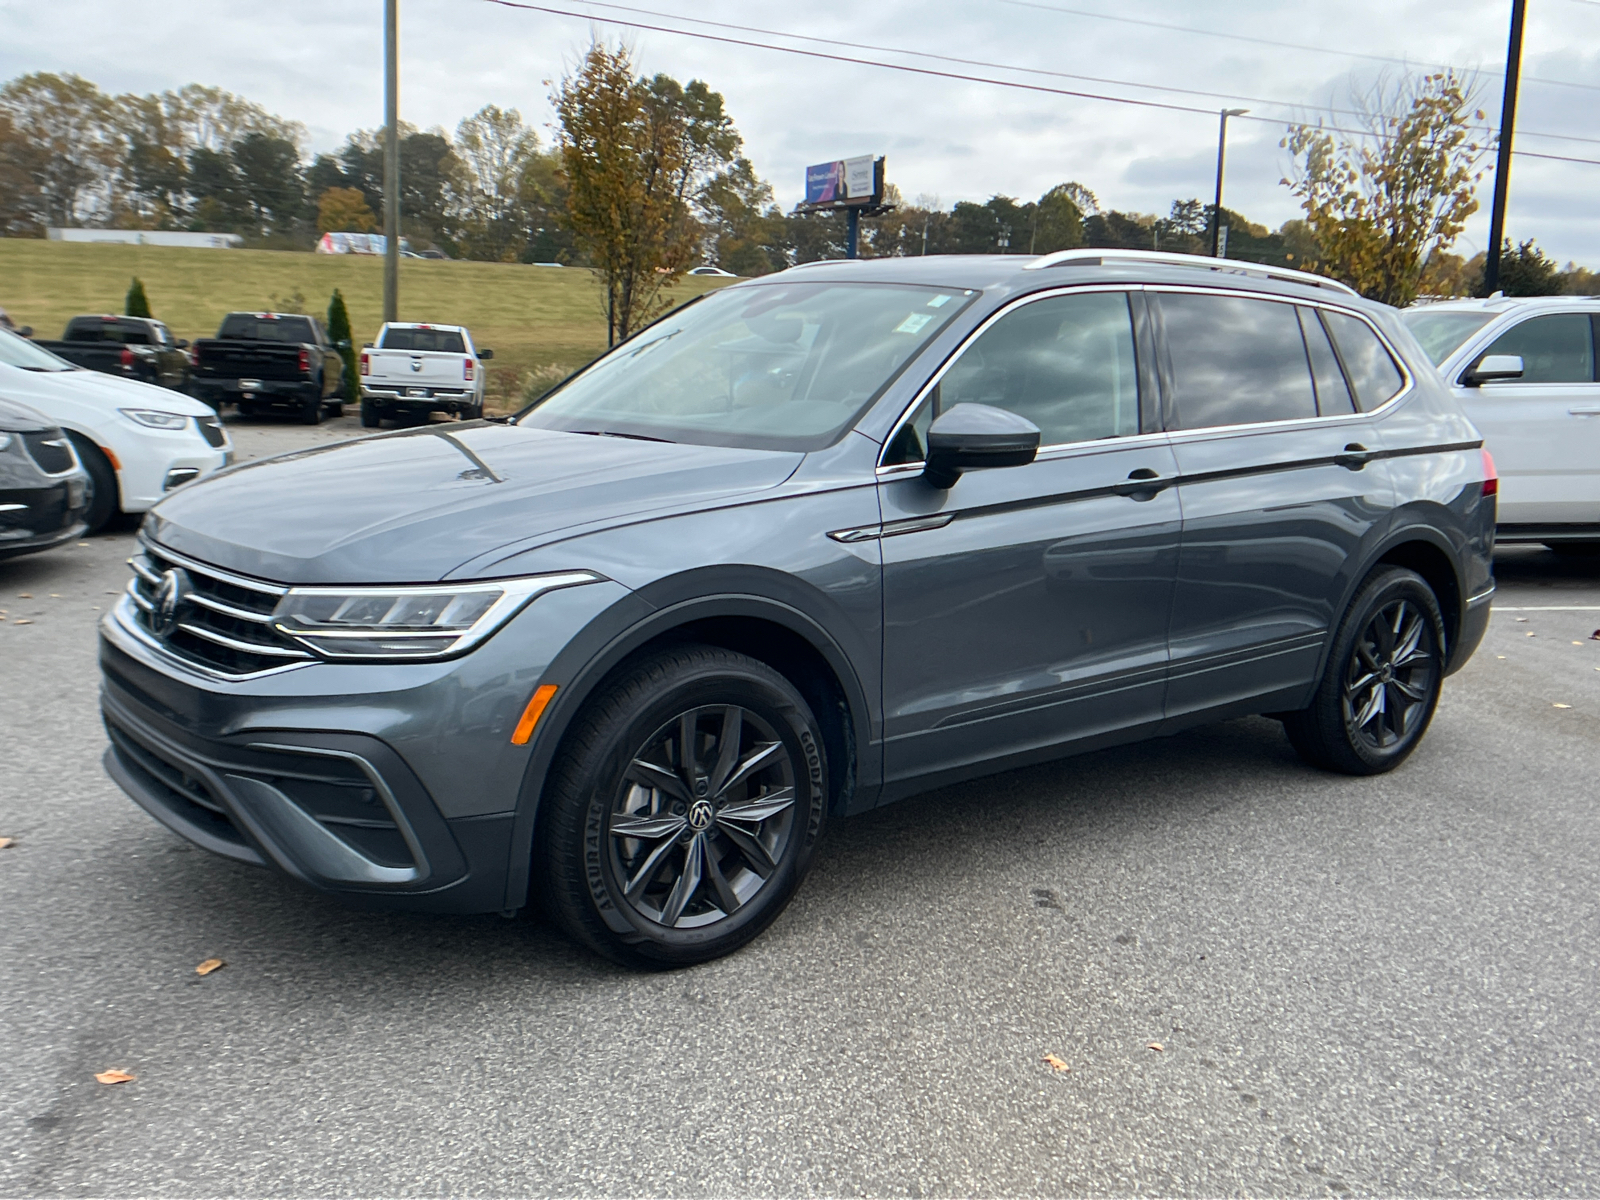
[[975, 62], [1259, 41], [958, 76]]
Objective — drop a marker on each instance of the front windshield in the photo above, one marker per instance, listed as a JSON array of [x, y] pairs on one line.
[[18, 351], [780, 366], [1440, 333]]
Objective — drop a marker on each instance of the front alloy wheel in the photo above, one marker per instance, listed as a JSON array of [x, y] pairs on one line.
[[683, 810]]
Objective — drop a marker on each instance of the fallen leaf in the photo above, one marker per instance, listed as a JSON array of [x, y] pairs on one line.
[[1156, 1046], [81, 545], [24, 595], [115, 1077], [55, 595], [1531, 634], [1522, 620], [1561, 706], [7, 843], [1056, 1064], [1577, 643], [1502, 656], [210, 965], [22, 621], [1595, 636]]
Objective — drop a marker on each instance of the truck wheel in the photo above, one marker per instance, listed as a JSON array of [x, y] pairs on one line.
[[370, 416], [336, 409], [102, 482], [311, 410], [684, 810], [1381, 684]]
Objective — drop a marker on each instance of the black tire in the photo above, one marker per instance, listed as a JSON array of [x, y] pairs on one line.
[[1381, 685], [311, 409], [336, 408], [245, 409], [103, 499], [744, 867], [371, 417]]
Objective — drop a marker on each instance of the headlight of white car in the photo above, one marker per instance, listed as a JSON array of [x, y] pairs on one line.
[[154, 418], [429, 621]]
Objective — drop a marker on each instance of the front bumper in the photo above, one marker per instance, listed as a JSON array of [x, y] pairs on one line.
[[38, 518], [387, 784], [149, 458]]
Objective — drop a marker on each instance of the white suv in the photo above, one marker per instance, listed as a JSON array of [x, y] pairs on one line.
[[1542, 426]]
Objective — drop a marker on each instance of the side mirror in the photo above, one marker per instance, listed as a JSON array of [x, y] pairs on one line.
[[343, 343], [366, 345], [26, 331], [485, 355], [182, 343], [968, 437], [1492, 367]]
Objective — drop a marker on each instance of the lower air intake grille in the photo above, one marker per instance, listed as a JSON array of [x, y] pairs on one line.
[[50, 450]]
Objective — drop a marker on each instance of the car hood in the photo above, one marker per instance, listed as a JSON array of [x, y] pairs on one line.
[[414, 506], [105, 393]]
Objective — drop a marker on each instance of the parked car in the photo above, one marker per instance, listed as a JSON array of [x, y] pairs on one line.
[[1540, 414], [805, 546], [710, 270], [266, 360], [136, 442], [134, 347], [414, 370], [43, 489]]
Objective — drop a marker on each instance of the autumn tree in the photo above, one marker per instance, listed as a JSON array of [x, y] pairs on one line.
[[1525, 270], [24, 203], [344, 210], [623, 154], [506, 193], [67, 121], [1379, 206]]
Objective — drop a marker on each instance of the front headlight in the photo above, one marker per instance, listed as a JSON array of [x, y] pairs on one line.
[[155, 418], [428, 621]]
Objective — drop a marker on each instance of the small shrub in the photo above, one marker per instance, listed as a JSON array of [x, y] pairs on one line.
[[138, 304]]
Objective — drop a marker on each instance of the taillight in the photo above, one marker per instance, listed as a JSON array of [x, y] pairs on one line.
[[127, 357], [1491, 477], [305, 360], [466, 368], [366, 363]]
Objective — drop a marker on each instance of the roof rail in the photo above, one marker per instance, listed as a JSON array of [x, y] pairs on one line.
[[1090, 257], [821, 262]]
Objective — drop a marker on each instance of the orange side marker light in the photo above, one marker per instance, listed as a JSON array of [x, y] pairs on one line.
[[530, 715]]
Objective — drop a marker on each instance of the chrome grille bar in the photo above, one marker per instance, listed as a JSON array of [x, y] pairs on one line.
[[220, 639]]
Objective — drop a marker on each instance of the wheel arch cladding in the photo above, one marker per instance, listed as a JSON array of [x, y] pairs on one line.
[[766, 630]]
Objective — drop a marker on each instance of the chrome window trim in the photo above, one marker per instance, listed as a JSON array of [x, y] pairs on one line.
[[955, 355], [1408, 383]]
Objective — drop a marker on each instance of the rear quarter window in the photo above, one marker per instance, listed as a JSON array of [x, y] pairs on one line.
[[1235, 361], [1371, 370]]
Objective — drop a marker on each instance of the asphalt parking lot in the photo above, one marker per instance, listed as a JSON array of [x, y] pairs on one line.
[[1383, 986]]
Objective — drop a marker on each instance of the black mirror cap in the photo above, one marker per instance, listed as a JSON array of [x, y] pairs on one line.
[[343, 344], [485, 355], [970, 437], [182, 343], [26, 331]]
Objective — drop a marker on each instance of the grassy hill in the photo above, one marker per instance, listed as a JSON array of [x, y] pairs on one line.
[[542, 322]]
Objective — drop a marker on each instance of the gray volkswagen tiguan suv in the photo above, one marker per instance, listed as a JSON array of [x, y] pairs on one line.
[[803, 547]]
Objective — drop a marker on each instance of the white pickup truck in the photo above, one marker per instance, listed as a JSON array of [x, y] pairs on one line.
[[414, 370]]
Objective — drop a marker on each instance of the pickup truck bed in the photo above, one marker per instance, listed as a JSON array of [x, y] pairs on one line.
[[132, 347]]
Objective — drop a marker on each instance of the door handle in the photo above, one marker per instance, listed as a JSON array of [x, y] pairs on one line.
[[1141, 484], [1355, 457], [1585, 410]]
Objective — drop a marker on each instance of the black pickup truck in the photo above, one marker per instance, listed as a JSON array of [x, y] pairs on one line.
[[133, 347], [270, 360]]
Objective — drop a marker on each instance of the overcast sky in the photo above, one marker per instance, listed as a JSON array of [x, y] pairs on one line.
[[320, 62]]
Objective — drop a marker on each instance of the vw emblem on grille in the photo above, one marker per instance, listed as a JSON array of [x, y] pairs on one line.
[[416, 364], [700, 815], [171, 595]]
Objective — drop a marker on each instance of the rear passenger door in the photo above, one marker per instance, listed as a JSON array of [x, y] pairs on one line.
[[1544, 429], [1277, 490]]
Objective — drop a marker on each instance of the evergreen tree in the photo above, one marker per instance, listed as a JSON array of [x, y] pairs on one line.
[[138, 304], [339, 335]]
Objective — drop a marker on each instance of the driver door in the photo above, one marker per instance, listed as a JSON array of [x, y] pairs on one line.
[[1027, 608]]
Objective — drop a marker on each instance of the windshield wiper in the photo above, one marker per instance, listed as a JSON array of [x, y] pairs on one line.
[[637, 437]]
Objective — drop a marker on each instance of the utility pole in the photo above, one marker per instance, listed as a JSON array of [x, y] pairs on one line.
[[1502, 166], [391, 160], [1222, 147]]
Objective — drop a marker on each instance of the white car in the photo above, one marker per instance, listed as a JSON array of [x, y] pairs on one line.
[[136, 441], [1525, 371], [710, 270], [416, 369]]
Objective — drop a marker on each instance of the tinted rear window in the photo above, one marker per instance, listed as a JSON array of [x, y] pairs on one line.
[[251, 328], [1236, 361], [445, 341], [95, 330], [1333, 393], [1367, 364]]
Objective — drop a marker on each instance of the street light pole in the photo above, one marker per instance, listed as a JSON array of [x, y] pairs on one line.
[[1502, 166], [391, 160], [1222, 147]]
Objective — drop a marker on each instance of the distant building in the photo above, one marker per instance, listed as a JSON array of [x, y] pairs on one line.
[[149, 237]]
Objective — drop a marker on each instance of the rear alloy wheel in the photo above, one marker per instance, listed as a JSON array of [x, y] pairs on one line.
[[685, 811], [1381, 685]]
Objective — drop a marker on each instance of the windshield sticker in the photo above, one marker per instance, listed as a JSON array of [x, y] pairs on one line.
[[913, 323], [939, 301]]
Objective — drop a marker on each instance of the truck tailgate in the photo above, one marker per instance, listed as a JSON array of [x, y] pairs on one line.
[[418, 368]]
